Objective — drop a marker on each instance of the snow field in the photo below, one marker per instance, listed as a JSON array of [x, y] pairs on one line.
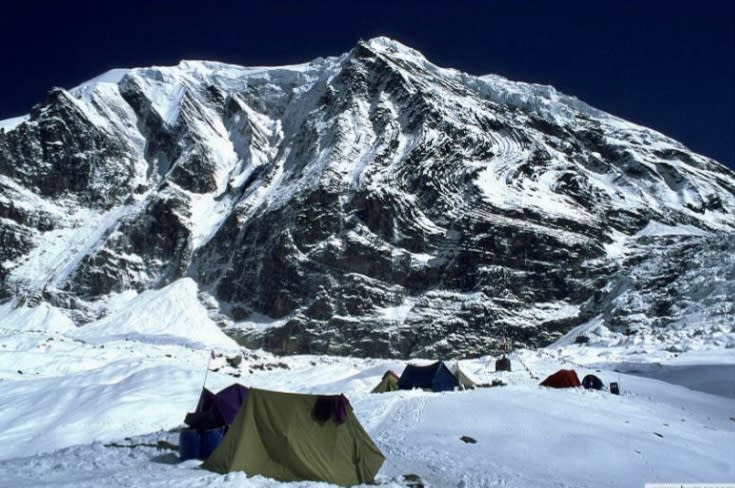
[[131, 376]]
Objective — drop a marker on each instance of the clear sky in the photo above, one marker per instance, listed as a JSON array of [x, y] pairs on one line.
[[664, 64]]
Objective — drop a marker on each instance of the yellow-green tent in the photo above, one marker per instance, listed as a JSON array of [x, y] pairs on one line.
[[388, 383], [276, 435]]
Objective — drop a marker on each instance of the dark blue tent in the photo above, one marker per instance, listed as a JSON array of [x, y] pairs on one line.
[[434, 377], [592, 382]]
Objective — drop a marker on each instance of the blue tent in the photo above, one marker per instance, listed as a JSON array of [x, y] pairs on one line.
[[592, 382], [434, 377]]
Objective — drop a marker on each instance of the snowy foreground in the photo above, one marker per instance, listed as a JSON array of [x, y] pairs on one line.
[[88, 406]]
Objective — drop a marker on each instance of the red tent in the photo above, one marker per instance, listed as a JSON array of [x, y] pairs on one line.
[[564, 378]]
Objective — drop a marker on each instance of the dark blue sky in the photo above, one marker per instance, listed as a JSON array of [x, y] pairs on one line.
[[664, 64]]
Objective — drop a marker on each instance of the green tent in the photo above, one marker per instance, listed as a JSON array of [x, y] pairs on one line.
[[388, 383], [276, 435]]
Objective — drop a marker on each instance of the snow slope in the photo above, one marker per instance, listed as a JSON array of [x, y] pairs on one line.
[[360, 199], [71, 402], [170, 315]]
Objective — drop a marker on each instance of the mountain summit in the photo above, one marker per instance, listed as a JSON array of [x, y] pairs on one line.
[[366, 204]]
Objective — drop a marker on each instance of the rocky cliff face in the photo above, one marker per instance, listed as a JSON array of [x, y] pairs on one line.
[[368, 204]]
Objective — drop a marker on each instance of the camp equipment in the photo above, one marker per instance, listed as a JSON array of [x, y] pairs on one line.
[[276, 435], [217, 410], [389, 382], [210, 439], [564, 378], [592, 382], [189, 444], [502, 364], [464, 378], [434, 377]]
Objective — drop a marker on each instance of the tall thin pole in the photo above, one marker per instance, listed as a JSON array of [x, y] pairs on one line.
[[211, 355]]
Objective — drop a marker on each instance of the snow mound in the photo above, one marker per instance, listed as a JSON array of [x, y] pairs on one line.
[[42, 317], [51, 413], [171, 315]]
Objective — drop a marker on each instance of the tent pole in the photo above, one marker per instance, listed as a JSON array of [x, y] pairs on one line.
[[207, 372]]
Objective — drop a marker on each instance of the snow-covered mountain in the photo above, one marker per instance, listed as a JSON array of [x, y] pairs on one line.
[[366, 204]]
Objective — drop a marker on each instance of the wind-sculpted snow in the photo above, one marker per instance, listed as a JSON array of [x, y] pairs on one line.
[[106, 411], [368, 204]]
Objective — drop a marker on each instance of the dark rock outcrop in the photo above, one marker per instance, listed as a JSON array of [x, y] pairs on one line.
[[371, 204]]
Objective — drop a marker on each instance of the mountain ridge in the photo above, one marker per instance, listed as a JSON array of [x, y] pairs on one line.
[[370, 204]]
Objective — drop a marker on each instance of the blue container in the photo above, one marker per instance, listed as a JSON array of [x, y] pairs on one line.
[[210, 440], [189, 444]]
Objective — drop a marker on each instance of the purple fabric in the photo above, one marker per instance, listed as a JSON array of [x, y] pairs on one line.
[[206, 401], [228, 402], [330, 406], [340, 409]]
